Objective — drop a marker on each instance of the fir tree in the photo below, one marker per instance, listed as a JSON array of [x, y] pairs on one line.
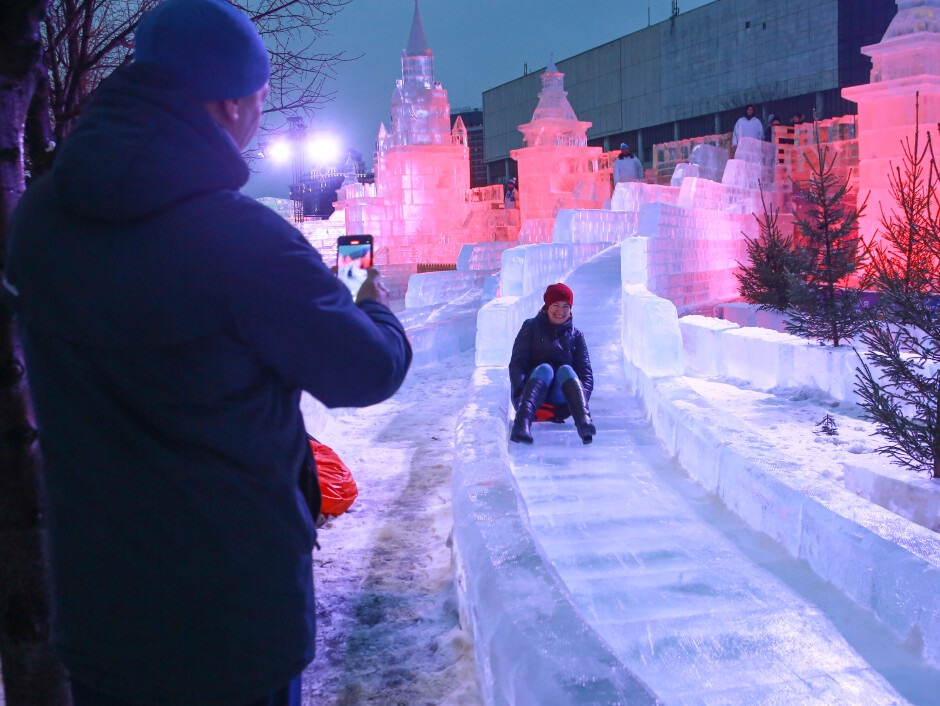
[[827, 426], [772, 257], [899, 378], [822, 306]]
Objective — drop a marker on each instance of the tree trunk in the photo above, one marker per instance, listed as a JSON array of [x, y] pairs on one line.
[[32, 675], [39, 147]]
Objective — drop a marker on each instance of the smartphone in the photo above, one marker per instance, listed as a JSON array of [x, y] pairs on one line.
[[353, 259]]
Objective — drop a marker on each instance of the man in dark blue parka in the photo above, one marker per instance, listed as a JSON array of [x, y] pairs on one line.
[[169, 325]]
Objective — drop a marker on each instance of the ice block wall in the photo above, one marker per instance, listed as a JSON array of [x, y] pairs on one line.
[[530, 268], [429, 288], [710, 160], [536, 230], [552, 178], [482, 256], [692, 253], [593, 226]]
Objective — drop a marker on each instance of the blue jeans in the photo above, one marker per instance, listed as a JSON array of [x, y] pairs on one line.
[[554, 379], [285, 696]]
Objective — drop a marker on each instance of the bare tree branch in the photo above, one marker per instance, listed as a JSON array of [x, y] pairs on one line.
[[85, 40]]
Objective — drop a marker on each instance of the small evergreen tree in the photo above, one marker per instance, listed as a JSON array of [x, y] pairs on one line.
[[822, 306], [900, 391], [827, 426], [773, 259]]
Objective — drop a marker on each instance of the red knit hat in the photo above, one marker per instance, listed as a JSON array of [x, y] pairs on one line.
[[558, 293]]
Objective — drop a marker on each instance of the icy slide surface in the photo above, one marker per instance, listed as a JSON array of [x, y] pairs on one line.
[[699, 607]]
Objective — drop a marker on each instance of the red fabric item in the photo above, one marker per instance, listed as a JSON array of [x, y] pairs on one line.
[[545, 412], [337, 486], [558, 293]]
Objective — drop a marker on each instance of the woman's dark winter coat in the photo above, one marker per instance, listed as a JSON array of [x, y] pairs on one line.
[[540, 341]]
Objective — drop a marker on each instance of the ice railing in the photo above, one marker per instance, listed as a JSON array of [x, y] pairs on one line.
[[537, 138], [486, 194], [787, 153], [365, 191]]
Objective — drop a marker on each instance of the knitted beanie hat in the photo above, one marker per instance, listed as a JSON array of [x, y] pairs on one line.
[[558, 293], [210, 47]]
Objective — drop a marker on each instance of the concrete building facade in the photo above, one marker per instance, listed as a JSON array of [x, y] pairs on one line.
[[693, 74]]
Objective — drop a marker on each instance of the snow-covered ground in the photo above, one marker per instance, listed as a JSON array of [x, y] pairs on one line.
[[387, 618], [792, 420]]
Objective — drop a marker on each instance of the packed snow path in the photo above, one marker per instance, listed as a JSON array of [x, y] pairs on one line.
[[698, 606], [388, 632], [387, 624]]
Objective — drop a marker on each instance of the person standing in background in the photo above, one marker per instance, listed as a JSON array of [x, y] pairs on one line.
[[511, 195], [627, 167], [748, 125]]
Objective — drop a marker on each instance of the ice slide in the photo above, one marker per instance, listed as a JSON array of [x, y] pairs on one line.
[[603, 574]]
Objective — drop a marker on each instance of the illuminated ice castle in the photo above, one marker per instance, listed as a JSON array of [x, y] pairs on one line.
[[421, 207]]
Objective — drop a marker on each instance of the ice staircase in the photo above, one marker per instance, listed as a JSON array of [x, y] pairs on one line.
[[602, 574]]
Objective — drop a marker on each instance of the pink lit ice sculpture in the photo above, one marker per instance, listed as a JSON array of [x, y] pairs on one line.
[[557, 169], [905, 63], [421, 206]]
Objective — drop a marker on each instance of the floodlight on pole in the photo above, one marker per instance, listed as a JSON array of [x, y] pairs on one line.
[[315, 156], [323, 149], [296, 133], [279, 151]]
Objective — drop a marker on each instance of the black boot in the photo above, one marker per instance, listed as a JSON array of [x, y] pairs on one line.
[[577, 403], [533, 394]]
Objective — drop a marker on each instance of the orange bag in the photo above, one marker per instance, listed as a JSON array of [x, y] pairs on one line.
[[545, 412], [337, 487]]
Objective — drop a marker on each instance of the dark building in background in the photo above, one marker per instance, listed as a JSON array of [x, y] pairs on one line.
[[315, 191], [473, 121], [694, 73]]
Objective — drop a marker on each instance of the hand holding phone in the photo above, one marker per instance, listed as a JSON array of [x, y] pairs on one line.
[[373, 288], [353, 259]]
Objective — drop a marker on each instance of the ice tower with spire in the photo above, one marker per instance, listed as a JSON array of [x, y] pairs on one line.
[[905, 71], [420, 110], [421, 208], [557, 169]]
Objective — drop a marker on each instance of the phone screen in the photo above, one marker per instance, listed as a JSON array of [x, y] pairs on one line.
[[353, 259]]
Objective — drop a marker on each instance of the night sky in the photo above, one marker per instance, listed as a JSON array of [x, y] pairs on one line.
[[477, 45]]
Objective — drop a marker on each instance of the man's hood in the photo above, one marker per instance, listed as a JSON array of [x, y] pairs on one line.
[[142, 146]]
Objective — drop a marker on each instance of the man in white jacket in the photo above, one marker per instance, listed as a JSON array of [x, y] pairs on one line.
[[627, 167], [748, 125]]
